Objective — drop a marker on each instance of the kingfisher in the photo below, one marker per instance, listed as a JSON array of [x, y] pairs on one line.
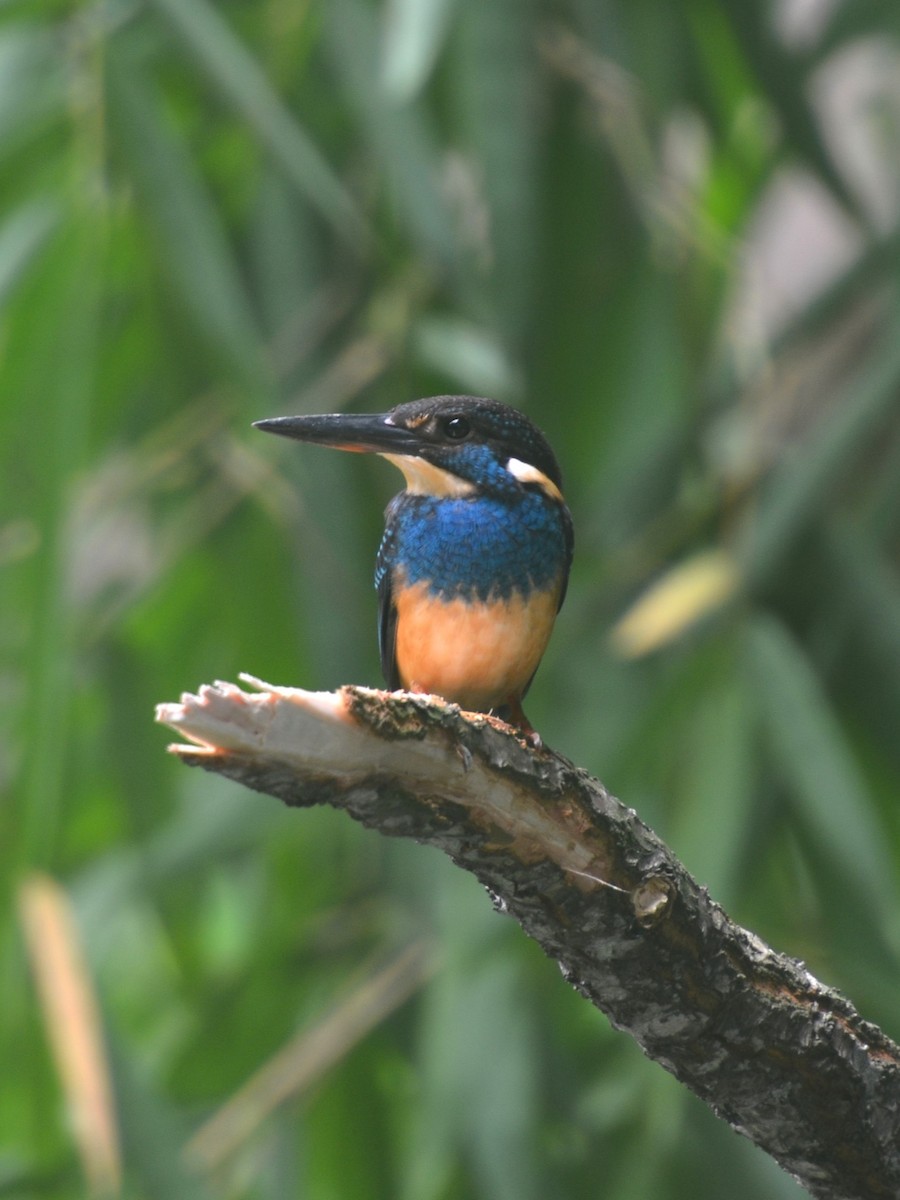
[[474, 561]]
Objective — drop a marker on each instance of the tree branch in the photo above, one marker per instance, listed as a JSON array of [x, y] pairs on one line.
[[783, 1059]]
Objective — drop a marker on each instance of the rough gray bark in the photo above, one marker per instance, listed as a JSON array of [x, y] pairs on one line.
[[783, 1059]]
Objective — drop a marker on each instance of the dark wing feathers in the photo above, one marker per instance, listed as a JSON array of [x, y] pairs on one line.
[[569, 536], [387, 630]]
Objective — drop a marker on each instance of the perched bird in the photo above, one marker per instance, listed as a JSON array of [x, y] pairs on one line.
[[475, 557]]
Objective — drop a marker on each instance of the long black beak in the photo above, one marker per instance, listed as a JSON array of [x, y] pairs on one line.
[[362, 432]]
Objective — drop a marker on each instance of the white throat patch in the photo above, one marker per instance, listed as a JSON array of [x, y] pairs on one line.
[[425, 479]]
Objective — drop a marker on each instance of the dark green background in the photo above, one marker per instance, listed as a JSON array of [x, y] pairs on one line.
[[668, 231]]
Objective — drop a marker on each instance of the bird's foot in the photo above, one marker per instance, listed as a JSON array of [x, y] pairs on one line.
[[512, 713]]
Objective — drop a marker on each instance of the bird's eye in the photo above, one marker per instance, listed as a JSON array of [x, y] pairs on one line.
[[456, 428]]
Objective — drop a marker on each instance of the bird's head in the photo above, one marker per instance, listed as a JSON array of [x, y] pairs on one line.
[[444, 445]]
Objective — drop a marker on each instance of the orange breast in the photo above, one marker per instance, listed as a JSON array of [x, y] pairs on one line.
[[477, 655]]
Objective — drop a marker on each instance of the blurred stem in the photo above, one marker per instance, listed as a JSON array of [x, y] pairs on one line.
[[306, 1058], [59, 452], [803, 482]]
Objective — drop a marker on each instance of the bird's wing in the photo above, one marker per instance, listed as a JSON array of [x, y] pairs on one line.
[[569, 536], [387, 630], [387, 609]]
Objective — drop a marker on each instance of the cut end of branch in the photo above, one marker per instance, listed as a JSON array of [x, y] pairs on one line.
[[312, 727], [296, 744], [222, 717]]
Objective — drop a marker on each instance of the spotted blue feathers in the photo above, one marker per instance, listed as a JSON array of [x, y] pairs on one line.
[[483, 547]]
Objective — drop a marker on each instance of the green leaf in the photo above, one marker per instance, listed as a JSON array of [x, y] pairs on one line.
[[184, 218], [715, 805], [786, 85], [817, 764], [467, 354], [286, 256], [21, 237], [413, 33], [400, 138], [240, 79], [498, 93], [806, 479], [153, 1132], [32, 83], [63, 381], [865, 619]]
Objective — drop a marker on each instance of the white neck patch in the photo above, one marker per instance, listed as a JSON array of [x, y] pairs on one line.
[[526, 473]]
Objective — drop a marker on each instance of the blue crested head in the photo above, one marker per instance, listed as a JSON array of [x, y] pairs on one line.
[[478, 441], [444, 445]]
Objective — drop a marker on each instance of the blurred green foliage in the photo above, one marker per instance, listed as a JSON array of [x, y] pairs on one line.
[[670, 233]]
